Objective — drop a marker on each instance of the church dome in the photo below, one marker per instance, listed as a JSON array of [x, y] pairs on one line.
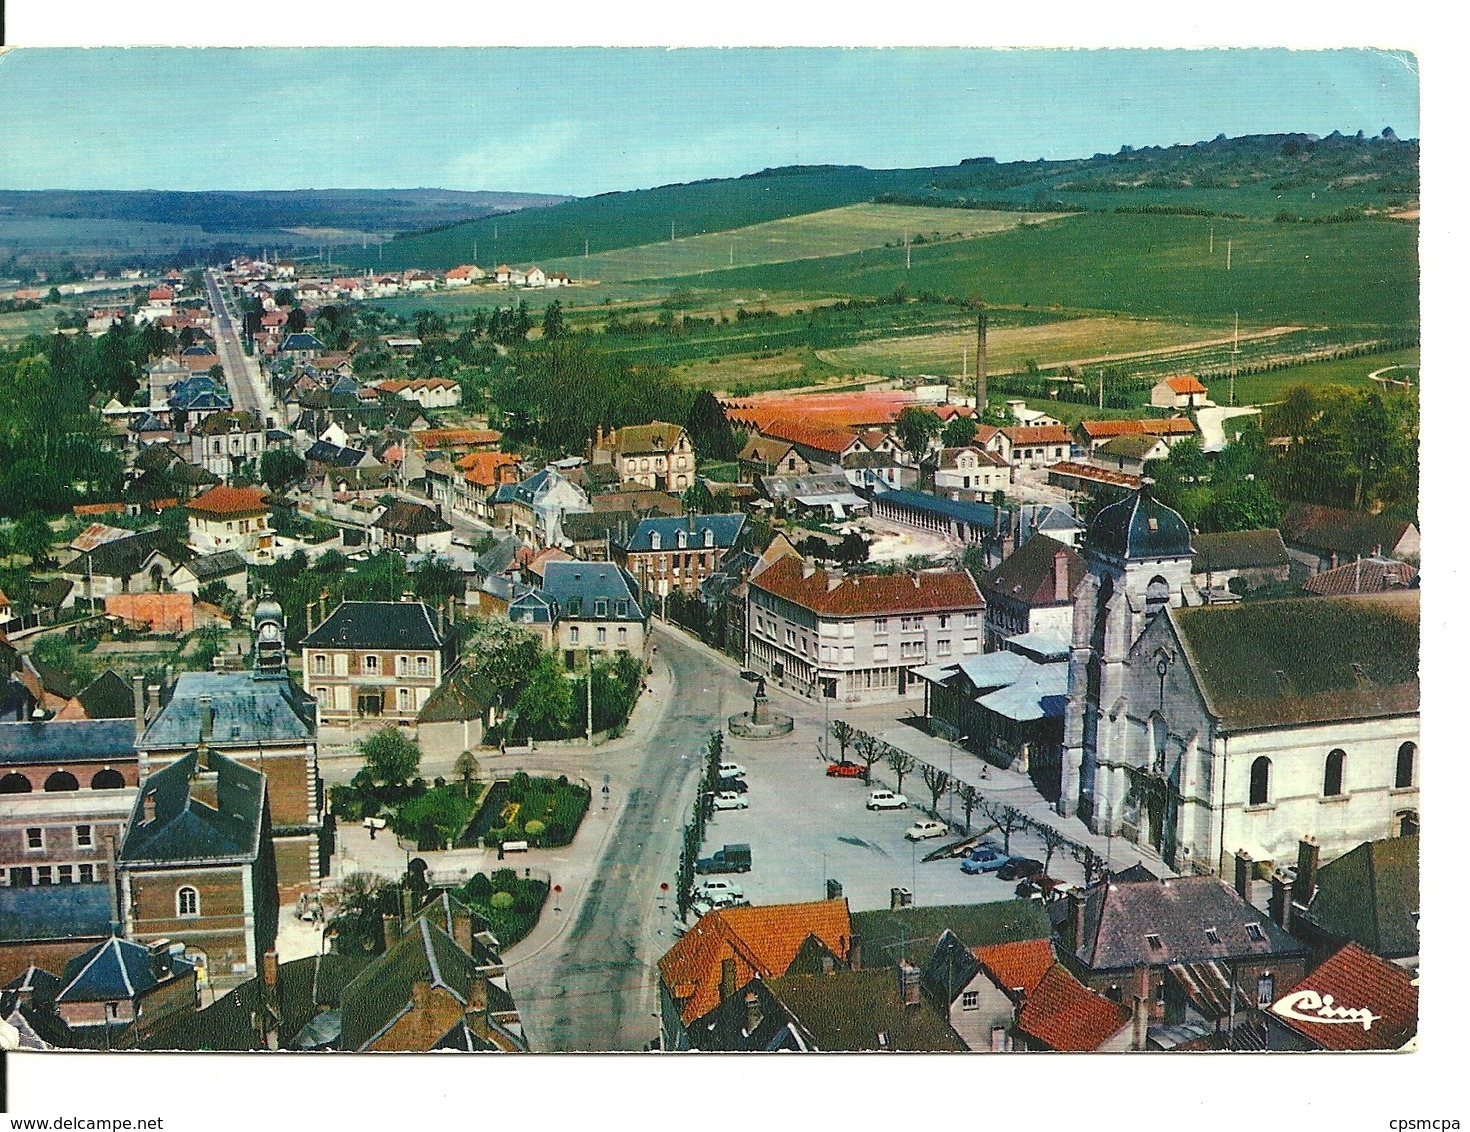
[[1139, 527], [269, 609]]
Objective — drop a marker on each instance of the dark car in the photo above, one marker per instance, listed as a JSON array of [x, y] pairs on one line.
[[1020, 868], [737, 785], [844, 770]]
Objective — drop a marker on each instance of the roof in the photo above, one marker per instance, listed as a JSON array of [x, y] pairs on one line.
[[1239, 550], [1090, 472], [977, 514], [1139, 526], [116, 970], [1031, 573], [583, 526], [657, 436], [67, 741], [301, 342], [1040, 694], [1022, 435], [851, 1011], [723, 530], [1122, 920], [377, 625], [221, 500], [762, 941], [1130, 446], [1371, 895], [832, 441], [124, 557], [383, 992], [835, 595], [1065, 1016], [580, 584], [186, 828], [335, 455], [1345, 532], [225, 422], [949, 457], [208, 567], [1169, 426], [1019, 964], [764, 449], [1363, 576], [1184, 384], [1354, 979], [1304, 660], [247, 709], [107, 697], [911, 933], [411, 520], [60, 911]]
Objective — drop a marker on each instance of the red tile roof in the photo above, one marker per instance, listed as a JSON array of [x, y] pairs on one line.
[[833, 440], [761, 940], [223, 500], [1038, 434], [1018, 965], [1185, 383], [457, 437], [1106, 430], [1090, 472], [1066, 1016], [1354, 979], [872, 594]]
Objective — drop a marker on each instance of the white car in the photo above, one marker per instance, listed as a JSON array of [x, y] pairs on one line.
[[729, 800], [887, 800], [732, 770], [715, 889], [925, 829]]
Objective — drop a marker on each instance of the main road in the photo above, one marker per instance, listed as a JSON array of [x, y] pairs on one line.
[[241, 376]]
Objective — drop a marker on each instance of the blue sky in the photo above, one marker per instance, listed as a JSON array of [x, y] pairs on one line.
[[585, 120]]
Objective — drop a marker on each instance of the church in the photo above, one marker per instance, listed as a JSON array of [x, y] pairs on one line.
[[1209, 730]]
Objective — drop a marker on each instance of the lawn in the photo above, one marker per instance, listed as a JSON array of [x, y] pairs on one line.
[[511, 903], [1264, 388], [835, 231], [543, 811], [15, 325]]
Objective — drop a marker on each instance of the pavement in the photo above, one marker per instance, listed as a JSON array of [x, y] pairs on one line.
[[241, 376]]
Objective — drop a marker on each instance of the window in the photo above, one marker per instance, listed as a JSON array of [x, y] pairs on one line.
[[880, 626], [622, 608], [944, 621], [86, 873], [1212, 935], [339, 664], [575, 635], [15, 783], [186, 900], [790, 638], [622, 635], [324, 696], [1154, 943], [402, 666], [108, 779], [1261, 781], [1265, 988], [61, 780], [880, 652], [599, 607], [1403, 776], [971, 646], [1156, 596], [602, 634], [370, 664], [941, 647], [849, 630], [43, 875], [849, 654], [1332, 774], [972, 620], [35, 838], [1255, 933], [421, 665], [405, 699], [63, 874], [969, 1000], [319, 664], [84, 837]]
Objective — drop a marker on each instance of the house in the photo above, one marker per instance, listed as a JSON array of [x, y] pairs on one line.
[[536, 506], [1031, 591], [223, 443], [225, 566], [463, 275], [46, 926], [106, 697], [658, 455], [1089, 434], [980, 523], [302, 347], [856, 637], [598, 609], [1031, 446], [666, 555], [980, 989], [1322, 538], [137, 563], [968, 473], [116, 993], [1035, 418], [1363, 576], [377, 659], [197, 866], [766, 456], [475, 478], [828, 495], [172, 614], [1210, 729], [1239, 561], [232, 518], [1354, 1001], [728, 948], [1182, 391], [1130, 453], [1087, 479], [1368, 896], [412, 528], [878, 468]]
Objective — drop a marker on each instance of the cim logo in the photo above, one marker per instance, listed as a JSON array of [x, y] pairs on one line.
[[1309, 1006]]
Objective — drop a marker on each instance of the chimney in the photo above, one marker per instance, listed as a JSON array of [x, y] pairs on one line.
[[153, 697], [422, 1023], [204, 783], [1059, 574], [206, 721], [1243, 877], [140, 718], [270, 978], [1140, 1025], [834, 579], [479, 1002], [463, 930], [808, 566], [727, 979], [752, 1012], [908, 983], [1307, 853], [1076, 918], [1281, 886], [855, 952]]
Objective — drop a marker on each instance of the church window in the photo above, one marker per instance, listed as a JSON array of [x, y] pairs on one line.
[[1403, 777], [1159, 730], [1261, 781], [187, 901], [1332, 774], [1157, 595]]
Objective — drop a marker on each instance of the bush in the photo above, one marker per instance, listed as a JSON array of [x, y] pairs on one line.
[[479, 890], [503, 878], [429, 836], [518, 786], [535, 828], [502, 900]]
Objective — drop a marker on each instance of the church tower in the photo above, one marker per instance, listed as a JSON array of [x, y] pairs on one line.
[[270, 638], [1138, 557]]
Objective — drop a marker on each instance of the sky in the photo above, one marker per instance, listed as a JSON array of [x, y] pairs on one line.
[[588, 120]]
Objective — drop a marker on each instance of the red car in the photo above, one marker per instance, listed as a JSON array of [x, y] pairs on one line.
[[844, 770]]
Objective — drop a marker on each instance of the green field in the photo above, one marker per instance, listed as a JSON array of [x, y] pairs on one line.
[[1264, 388], [1364, 273], [836, 231], [15, 325]]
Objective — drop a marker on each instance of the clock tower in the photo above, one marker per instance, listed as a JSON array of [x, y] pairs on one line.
[[270, 638]]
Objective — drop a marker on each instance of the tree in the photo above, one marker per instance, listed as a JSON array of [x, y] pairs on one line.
[[853, 549], [914, 428], [959, 432], [869, 750], [553, 322], [1053, 839], [938, 782], [844, 733], [709, 430], [281, 467], [296, 321], [969, 798], [1246, 506], [546, 702], [209, 643], [357, 921], [1188, 461], [60, 652], [901, 763], [1007, 819], [33, 537], [468, 769], [697, 499], [390, 757]]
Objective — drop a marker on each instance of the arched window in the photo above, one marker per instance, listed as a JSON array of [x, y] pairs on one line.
[[15, 783], [1260, 781], [1332, 774], [1159, 732], [1403, 775], [108, 779], [61, 780], [1157, 594], [187, 900]]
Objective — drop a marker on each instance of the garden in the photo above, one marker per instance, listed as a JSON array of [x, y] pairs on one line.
[[511, 903]]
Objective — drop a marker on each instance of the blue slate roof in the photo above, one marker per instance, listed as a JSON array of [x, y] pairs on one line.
[[67, 741], [1139, 526], [977, 514], [114, 971], [530, 606], [377, 625], [58, 911], [248, 709], [324, 452], [301, 343], [186, 829], [723, 531], [529, 488], [576, 587]]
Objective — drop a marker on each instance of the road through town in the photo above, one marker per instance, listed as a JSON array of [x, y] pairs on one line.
[[241, 376]]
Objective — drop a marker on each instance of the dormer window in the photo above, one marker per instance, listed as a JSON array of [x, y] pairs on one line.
[[1255, 933], [1213, 936], [1154, 943]]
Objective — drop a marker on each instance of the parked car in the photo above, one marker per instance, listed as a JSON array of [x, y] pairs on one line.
[[983, 859], [710, 889], [732, 770], [729, 859], [887, 800], [922, 830], [739, 785], [1020, 868], [844, 770], [729, 800], [703, 905], [1043, 888]]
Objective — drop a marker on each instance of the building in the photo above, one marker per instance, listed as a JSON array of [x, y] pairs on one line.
[[1363, 576], [1031, 591], [48, 926], [1182, 391], [232, 518], [969, 473], [1237, 562], [1130, 453], [117, 993], [596, 610], [225, 566], [412, 528], [135, 563], [1031, 446], [377, 659], [1353, 1002], [657, 455], [197, 865], [668, 555], [536, 506], [224, 443], [857, 637], [766, 456], [1322, 538], [1089, 434], [1369, 896]]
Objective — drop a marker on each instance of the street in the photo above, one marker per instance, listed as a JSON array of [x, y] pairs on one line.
[[241, 376]]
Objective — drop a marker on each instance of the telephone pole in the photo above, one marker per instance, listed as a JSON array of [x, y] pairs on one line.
[[980, 391], [1234, 349], [1227, 254]]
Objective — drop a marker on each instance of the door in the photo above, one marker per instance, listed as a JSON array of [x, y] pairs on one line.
[[370, 705]]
